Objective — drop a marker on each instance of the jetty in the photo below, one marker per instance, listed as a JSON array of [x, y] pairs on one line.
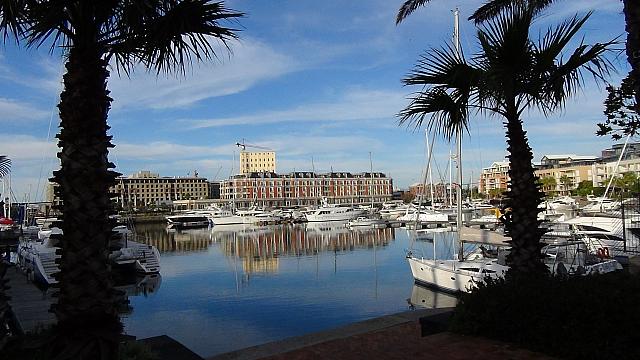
[[30, 304]]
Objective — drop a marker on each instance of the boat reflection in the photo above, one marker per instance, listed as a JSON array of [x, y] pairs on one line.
[[135, 286], [172, 240], [425, 297]]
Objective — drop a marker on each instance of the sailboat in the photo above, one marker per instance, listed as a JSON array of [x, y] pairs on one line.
[[373, 219], [459, 274]]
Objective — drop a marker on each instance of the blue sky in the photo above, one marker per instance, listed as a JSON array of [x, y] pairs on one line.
[[309, 79]]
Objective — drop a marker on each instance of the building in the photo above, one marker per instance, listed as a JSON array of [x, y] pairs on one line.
[[145, 188], [567, 170], [494, 177], [262, 161], [306, 188], [613, 153]]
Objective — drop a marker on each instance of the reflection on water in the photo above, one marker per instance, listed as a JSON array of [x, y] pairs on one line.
[[425, 297], [229, 287]]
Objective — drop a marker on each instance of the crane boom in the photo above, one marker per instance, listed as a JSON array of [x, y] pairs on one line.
[[244, 146]]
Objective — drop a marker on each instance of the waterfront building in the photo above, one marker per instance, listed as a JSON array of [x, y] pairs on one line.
[[441, 192], [145, 188], [494, 177], [567, 170], [257, 161], [306, 188]]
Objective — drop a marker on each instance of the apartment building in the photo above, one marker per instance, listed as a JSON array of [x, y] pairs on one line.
[[493, 177], [306, 188], [567, 170], [259, 161], [145, 188]]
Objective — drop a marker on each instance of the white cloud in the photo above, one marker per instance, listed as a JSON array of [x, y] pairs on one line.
[[12, 110], [26, 147], [251, 62], [46, 79], [354, 105]]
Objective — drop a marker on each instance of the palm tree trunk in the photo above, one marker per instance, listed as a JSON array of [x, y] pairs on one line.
[[85, 311], [524, 196], [632, 19]]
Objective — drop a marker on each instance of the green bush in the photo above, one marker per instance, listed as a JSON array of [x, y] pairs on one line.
[[593, 317]]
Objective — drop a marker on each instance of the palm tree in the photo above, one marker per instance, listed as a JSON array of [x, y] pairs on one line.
[[566, 182], [631, 10], [548, 184], [5, 308], [509, 75], [163, 35]]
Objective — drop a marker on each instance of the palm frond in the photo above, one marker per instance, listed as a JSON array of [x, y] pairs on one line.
[[5, 166], [494, 7], [565, 79], [175, 36], [447, 111], [408, 7], [50, 22], [12, 18], [556, 39], [442, 66]]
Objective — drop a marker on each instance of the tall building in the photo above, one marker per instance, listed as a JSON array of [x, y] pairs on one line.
[[306, 188], [260, 161], [495, 176]]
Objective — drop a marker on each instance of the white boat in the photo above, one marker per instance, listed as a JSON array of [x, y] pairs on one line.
[[38, 258], [218, 216], [426, 217], [257, 216], [188, 220], [145, 259], [564, 203], [364, 221], [333, 212], [571, 257], [461, 276], [601, 234], [600, 205]]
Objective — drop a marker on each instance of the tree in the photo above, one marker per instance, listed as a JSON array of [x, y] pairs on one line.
[[584, 188], [164, 35], [510, 74], [566, 182], [620, 108], [496, 193], [548, 184]]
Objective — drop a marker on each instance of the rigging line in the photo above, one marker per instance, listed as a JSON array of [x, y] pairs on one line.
[[53, 108]]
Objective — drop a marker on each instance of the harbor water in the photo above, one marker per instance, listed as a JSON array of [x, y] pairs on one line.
[[230, 287]]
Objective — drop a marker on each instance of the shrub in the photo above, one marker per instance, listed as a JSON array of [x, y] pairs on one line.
[[593, 317]]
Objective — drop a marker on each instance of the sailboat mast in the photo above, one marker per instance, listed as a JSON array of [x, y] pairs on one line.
[[426, 135], [456, 39], [371, 181]]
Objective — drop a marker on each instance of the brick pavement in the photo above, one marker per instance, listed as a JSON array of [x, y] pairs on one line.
[[404, 341]]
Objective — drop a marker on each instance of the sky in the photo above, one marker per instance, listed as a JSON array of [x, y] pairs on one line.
[[319, 82]]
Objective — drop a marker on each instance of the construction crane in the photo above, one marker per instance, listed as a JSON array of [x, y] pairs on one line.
[[244, 146]]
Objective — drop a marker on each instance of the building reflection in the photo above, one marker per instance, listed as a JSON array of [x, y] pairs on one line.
[[259, 248]]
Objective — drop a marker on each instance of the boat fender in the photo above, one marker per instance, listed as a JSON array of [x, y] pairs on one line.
[[603, 252]]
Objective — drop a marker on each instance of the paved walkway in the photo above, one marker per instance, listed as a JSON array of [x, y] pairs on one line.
[[29, 304], [413, 334]]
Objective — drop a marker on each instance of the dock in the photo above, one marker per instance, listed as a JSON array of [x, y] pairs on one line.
[[30, 305]]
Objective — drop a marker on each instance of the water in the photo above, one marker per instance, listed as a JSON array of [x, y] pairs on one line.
[[227, 288]]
